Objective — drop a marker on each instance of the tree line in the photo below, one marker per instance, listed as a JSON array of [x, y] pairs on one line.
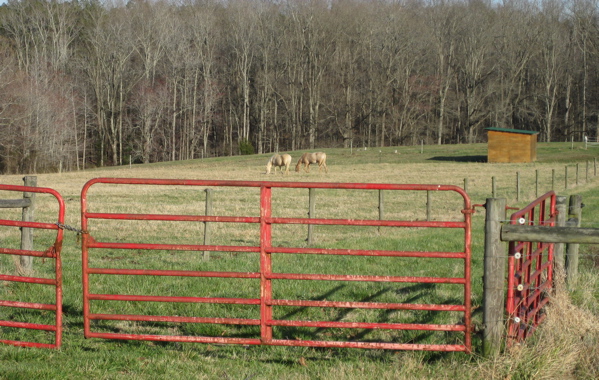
[[94, 83]]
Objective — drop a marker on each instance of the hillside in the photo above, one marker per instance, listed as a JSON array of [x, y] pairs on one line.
[[555, 353]]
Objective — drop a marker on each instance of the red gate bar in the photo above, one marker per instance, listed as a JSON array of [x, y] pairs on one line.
[[53, 252], [530, 270], [266, 275]]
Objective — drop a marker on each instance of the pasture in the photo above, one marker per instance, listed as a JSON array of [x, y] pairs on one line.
[[449, 165]]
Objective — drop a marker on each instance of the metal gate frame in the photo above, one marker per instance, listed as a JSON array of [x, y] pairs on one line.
[[53, 252], [530, 270], [266, 275]]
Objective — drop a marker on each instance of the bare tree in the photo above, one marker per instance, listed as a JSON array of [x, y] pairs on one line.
[[444, 26], [207, 38], [243, 26], [474, 66], [109, 50]]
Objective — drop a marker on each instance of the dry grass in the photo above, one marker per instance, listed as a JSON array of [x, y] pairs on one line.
[[566, 346], [453, 173]]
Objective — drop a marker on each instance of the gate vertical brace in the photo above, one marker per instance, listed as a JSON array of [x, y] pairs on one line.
[[265, 265], [58, 270], [26, 262], [84, 262], [494, 271], [468, 274]]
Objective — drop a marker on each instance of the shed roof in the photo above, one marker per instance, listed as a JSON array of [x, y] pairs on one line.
[[521, 131]]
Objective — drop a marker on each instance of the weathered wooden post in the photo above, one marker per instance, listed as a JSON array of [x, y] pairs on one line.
[[206, 254], [311, 212], [518, 186], [26, 262], [558, 250], [493, 280], [575, 213], [428, 205], [586, 173]]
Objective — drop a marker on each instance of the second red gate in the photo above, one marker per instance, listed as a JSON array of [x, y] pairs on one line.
[[530, 270]]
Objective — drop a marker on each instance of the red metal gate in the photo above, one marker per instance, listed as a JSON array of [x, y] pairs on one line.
[[530, 270], [267, 300], [53, 252]]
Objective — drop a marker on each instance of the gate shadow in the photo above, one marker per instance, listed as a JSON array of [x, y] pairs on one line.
[[418, 291]]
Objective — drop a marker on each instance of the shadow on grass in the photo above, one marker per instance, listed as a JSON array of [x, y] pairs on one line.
[[459, 158], [416, 292], [411, 294], [320, 298]]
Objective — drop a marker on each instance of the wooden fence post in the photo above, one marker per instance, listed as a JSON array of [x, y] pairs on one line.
[[26, 262], [311, 211], [558, 250], [575, 213], [493, 280], [586, 173], [206, 254], [537, 183], [428, 205], [517, 186]]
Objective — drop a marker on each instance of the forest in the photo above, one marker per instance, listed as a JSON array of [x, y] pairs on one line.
[[93, 83]]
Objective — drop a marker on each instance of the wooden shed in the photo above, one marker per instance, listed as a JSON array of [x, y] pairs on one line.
[[511, 145]]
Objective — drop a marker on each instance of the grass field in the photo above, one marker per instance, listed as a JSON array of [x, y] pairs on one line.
[[567, 346]]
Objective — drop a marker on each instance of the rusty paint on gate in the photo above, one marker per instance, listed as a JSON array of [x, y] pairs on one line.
[[53, 252], [530, 270], [266, 276]]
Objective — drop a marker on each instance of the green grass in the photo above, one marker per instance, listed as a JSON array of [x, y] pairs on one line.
[[112, 359]]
